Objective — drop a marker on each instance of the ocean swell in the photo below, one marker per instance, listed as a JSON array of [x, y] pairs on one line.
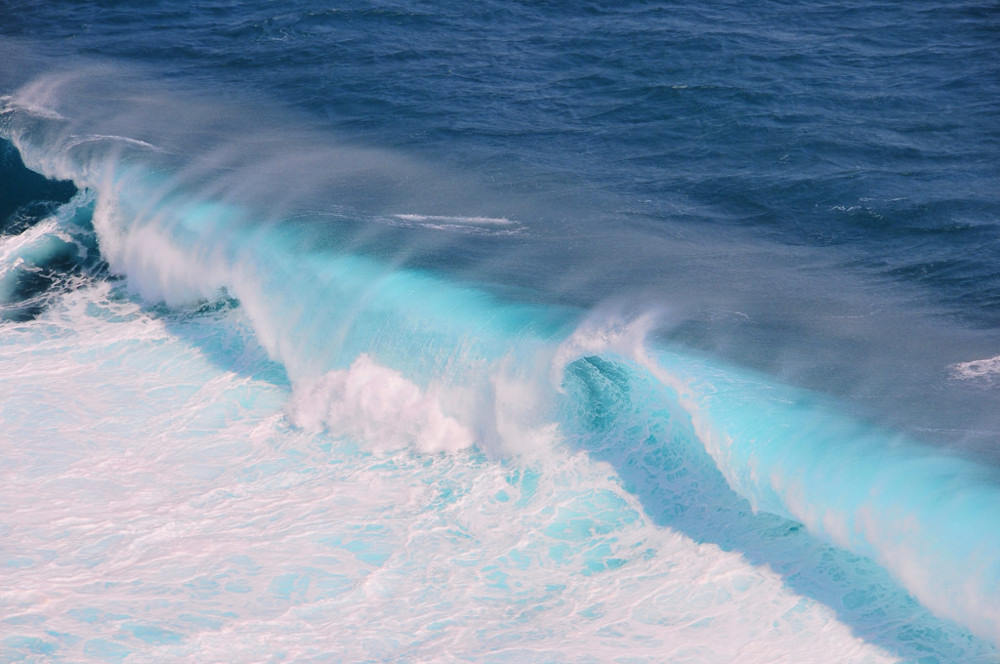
[[395, 356]]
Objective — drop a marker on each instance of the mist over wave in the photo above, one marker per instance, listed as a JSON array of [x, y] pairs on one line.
[[772, 307]]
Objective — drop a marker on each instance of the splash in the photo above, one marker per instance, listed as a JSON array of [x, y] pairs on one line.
[[380, 407]]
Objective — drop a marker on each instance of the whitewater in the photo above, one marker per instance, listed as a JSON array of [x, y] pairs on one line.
[[279, 385]]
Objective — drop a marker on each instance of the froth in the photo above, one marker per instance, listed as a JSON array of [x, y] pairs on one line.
[[607, 330], [459, 224], [986, 370], [380, 408]]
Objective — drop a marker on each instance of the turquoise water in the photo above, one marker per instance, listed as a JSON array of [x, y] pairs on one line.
[[531, 333]]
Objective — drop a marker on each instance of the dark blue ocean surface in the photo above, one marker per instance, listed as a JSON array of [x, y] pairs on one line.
[[746, 254]]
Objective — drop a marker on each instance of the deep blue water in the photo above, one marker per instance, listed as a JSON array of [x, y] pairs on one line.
[[628, 287]]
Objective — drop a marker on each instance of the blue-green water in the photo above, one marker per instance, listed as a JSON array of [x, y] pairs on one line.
[[541, 332]]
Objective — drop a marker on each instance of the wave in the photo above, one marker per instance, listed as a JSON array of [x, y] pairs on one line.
[[46, 237], [394, 356]]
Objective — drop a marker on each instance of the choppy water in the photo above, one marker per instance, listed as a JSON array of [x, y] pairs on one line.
[[507, 332]]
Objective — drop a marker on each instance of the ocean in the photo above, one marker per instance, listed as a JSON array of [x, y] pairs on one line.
[[411, 331]]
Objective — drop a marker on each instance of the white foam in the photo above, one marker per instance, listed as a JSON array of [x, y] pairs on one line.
[[979, 370], [139, 244], [607, 330], [159, 505], [36, 244], [379, 407], [480, 221], [459, 224], [35, 99], [74, 141], [12, 250]]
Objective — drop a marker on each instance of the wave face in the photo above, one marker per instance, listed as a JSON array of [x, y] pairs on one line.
[[546, 334]]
